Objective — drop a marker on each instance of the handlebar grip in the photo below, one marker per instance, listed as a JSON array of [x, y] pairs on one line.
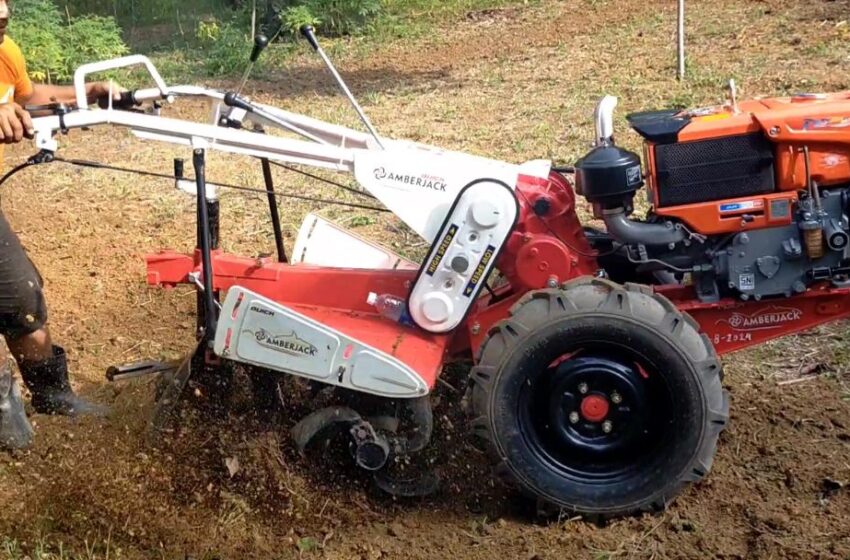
[[233, 100], [310, 35], [127, 100]]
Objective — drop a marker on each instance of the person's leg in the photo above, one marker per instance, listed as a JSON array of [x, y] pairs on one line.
[[33, 347], [23, 315], [15, 429]]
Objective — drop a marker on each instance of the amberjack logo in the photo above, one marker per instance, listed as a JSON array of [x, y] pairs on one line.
[[423, 180], [772, 317], [287, 343]]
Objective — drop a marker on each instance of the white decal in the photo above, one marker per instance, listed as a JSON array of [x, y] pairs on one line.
[[772, 317]]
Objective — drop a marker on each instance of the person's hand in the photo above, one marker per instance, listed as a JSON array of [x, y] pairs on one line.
[[15, 123], [100, 92]]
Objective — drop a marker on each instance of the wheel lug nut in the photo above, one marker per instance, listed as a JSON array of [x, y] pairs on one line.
[[574, 417], [582, 388], [616, 398], [607, 426]]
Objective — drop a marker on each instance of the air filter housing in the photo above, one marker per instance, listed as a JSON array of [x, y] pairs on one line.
[[609, 176]]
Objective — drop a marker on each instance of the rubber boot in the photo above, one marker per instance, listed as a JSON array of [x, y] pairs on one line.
[[51, 391], [15, 429]]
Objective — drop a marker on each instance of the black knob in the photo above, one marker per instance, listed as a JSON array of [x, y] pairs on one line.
[[310, 35], [233, 100], [542, 206], [260, 44]]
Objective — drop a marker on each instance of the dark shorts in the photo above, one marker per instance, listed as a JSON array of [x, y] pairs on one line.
[[22, 307]]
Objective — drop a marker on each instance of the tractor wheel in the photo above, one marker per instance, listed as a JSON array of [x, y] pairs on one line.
[[599, 399]]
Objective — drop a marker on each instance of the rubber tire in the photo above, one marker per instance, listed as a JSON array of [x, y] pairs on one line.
[[648, 317]]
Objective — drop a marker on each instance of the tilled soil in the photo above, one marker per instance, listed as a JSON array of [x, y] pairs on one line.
[[516, 83]]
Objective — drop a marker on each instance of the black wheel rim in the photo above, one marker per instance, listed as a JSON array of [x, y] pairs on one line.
[[596, 410]]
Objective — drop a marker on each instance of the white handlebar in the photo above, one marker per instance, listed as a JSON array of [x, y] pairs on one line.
[[123, 62]]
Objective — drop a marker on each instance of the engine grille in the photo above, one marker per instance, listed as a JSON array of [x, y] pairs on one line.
[[705, 170]]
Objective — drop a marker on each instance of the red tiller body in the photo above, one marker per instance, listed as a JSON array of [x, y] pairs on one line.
[[548, 247]]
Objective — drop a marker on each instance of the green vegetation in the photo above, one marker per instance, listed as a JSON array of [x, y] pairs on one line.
[[330, 17], [208, 37], [55, 45]]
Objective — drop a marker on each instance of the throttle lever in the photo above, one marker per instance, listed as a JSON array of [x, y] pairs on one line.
[[260, 44], [310, 35]]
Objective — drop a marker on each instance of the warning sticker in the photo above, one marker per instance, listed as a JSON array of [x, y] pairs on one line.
[[746, 281]]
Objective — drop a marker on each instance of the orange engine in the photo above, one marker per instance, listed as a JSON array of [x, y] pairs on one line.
[[748, 200], [724, 169]]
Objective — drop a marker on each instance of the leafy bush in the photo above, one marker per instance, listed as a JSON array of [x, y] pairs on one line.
[[55, 48], [93, 38], [296, 16], [330, 17], [224, 47], [34, 27]]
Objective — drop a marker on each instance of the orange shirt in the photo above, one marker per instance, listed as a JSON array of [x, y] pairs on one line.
[[14, 80]]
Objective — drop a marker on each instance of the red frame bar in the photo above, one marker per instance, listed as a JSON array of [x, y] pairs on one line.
[[337, 297]]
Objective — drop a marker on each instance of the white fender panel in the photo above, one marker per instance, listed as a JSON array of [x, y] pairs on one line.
[[420, 186]]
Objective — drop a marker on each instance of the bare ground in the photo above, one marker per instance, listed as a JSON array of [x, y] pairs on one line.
[[516, 84]]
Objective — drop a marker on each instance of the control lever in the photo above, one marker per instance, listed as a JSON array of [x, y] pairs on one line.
[[260, 44], [309, 34]]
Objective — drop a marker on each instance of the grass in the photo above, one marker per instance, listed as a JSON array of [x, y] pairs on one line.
[[414, 18], [172, 43], [44, 550]]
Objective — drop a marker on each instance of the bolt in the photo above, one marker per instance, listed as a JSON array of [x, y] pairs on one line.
[[552, 282], [774, 131], [616, 398], [607, 426], [476, 328], [582, 388], [574, 417]]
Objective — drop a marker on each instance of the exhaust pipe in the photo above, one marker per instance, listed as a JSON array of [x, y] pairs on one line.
[[603, 116], [641, 233]]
